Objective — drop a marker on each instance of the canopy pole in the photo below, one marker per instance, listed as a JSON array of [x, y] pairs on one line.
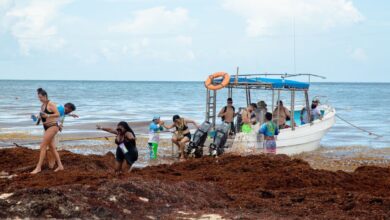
[[247, 95], [278, 106], [273, 100], [308, 111], [292, 118]]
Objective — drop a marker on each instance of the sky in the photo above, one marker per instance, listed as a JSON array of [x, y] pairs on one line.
[[344, 40]]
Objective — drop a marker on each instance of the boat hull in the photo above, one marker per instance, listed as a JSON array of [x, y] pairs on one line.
[[302, 139]]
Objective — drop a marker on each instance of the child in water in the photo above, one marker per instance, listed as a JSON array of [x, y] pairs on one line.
[[154, 136], [269, 130]]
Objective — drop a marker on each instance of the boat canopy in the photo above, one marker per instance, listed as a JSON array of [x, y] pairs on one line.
[[268, 82]]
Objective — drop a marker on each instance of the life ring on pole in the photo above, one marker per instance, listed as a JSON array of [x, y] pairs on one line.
[[225, 81]]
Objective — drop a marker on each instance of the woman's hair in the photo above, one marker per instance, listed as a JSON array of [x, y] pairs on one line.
[[175, 117], [42, 92], [126, 126]]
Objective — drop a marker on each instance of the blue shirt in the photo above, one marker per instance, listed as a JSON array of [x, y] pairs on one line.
[[154, 132], [61, 110], [269, 129]]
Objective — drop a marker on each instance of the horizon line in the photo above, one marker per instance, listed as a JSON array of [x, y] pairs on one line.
[[88, 80]]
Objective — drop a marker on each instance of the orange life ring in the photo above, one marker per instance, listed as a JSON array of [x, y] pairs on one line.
[[225, 81]]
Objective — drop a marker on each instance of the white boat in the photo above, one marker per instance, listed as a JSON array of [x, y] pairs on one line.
[[293, 140]]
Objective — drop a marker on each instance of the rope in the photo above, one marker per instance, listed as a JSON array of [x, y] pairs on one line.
[[359, 128]]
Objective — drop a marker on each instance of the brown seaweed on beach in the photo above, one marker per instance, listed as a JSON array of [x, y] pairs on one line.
[[250, 187]]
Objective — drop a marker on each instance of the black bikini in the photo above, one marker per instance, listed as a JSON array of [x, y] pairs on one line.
[[184, 128], [47, 126], [132, 153]]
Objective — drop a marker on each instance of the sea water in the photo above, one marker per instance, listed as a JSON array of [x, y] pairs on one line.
[[363, 104]]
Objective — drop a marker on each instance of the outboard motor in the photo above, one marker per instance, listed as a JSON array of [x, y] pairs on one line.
[[220, 139], [195, 147]]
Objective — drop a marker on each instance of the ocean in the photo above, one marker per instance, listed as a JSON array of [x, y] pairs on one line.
[[363, 104]]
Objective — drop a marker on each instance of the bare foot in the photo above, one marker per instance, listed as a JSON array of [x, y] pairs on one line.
[[35, 171], [182, 159], [52, 165], [59, 168]]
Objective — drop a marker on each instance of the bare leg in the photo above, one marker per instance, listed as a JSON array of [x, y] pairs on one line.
[[50, 157], [130, 167], [182, 145], [176, 142], [47, 138], [118, 167], [57, 157]]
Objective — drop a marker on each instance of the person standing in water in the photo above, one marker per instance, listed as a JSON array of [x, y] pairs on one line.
[[126, 145], [227, 115], [269, 130], [154, 136], [182, 134], [49, 115]]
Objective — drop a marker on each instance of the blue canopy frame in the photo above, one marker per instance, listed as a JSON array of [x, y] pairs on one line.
[[266, 82]]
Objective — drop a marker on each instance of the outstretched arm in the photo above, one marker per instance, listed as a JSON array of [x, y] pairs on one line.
[[191, 122], [168, 126], [109, 130], [73, 115]]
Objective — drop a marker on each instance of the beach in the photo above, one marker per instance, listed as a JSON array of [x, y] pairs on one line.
[[230, 187], [347, 177]]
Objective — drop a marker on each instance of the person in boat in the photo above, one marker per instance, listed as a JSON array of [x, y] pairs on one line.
[[49, 116], [227, 114], [270, 130], [248, 118], [315, 113], [126, 145], [64, 110], [282, 114], [155, 128], [261, 111], [182, 134]]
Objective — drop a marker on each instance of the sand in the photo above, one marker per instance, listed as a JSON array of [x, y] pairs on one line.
[[230, 187]]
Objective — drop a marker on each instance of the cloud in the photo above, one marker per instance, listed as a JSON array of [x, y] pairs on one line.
[[359, 54], [157, 20], [265, 17], [32, 24], [156, 33]]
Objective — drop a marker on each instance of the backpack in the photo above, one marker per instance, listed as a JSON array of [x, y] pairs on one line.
[[224, 110]]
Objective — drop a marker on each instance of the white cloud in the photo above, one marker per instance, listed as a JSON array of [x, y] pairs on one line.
[[264, 17], [32, 24], [155, 33], [157, 20], [359, 54]]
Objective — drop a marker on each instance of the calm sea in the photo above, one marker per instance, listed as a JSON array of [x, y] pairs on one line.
[[364, 104]]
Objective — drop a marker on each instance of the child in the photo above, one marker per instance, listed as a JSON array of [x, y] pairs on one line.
[[154, 136], [269, 130]]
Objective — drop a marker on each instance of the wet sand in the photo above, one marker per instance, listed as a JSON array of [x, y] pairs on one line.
[[250, 187]]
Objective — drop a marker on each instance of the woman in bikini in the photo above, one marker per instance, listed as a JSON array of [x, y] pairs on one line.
[[49, 116], [182, 134], [126, 145]]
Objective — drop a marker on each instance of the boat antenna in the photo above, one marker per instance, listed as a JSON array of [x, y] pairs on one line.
[[294, 44], [236, 79]]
